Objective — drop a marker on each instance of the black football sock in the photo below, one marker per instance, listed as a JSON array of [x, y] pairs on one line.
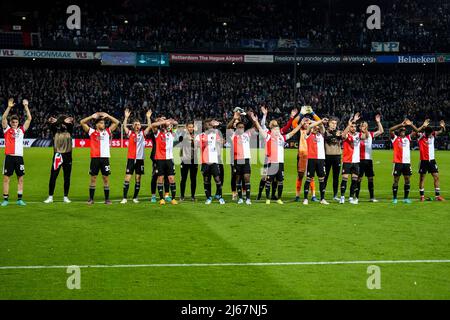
[[126, 186], [394, 191], [5, 197], [137, 187], [437, 192], [274, 189], [422, 192], [268, 183], [91, 192], [19, 196], [173, 190], [106, 191], [239, 189], [207, 187], [306, 188], [322, 189], [262, 184], [343, 187], [371, 190], [353, 188], [280, 189], [358, 188], [247, 190], [160, 187], [153, 184], [219, 189], [406, 189]]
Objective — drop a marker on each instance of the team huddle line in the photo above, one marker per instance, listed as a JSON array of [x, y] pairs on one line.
[[323, 149]]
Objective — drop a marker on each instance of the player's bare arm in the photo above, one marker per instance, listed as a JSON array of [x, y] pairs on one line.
[[396, 127], [114, 122], [293, 132], [148, 116], [6, 113], [125, 121], [84, 122], [262, 132], [380, 129], [27, 123], [442, 128]]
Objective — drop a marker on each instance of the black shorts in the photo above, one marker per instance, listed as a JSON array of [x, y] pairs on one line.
[[275, 171], [428, 166], [210, 169], [13, 164], [350, 168], [165, 168], [402, 169], [100, 164], [366, 168], [241, 167], [316, 166], [135, 165]]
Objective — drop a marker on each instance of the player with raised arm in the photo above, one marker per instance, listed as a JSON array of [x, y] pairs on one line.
[[275, 141], [136, 153], [165, 166], [14, 150], [427, 159], [100, 140], [237, 114], [209, 142], [316, 158], [366, 163], [61, 129], [401, 143], [241, 154], [351, 158]]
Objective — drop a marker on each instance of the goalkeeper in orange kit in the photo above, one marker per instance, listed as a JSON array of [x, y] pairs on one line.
[[302, 156]]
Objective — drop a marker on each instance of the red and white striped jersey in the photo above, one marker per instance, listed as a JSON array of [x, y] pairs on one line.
[[402, 152], [100, 143], [209, 144], [366, 147], [316, 146], [164, 145], [14, 141], [136, 145], [241, 146], [275, 148], [426, 146], [351, 148]]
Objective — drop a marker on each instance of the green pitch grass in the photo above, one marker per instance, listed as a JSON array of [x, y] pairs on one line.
[[76, 234]]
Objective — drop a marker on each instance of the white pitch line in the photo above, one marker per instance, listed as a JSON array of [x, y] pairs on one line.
[[229, 264]]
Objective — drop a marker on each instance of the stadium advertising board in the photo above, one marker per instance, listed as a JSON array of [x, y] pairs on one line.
[[27, 143], [152, 59], [385, 46], [118, 58], [206, 58], [254, 58], [45, 54], [316, 59], [407, 59]]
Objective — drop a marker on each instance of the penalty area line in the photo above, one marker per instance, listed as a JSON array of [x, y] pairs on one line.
[[227, 264]]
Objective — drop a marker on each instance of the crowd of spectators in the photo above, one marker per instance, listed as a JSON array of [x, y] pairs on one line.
[[339, 25], [203, 94]]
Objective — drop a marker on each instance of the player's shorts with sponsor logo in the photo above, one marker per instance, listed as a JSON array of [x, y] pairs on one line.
[[316, 166], [428, 166], [366, 168], [210, 169], [135, 166], [402, 169], [241, 167], [13, 164], [100, 165], [302, 162], [350, 168], [165, 167]]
